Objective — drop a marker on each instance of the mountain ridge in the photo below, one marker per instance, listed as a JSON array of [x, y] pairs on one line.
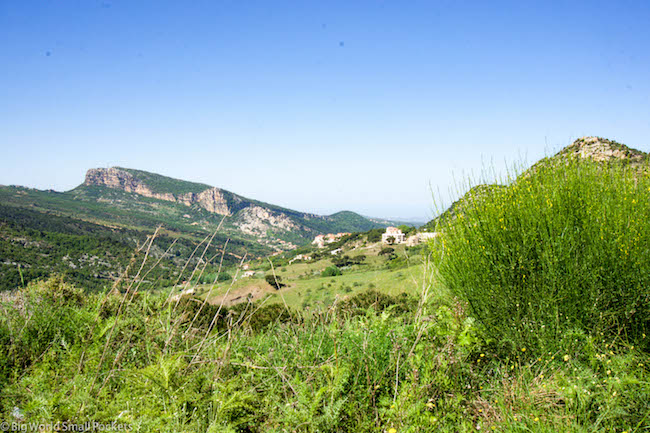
[[126, 197], [213, 199]]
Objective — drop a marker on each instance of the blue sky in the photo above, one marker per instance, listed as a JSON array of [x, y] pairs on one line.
[[317, 106]]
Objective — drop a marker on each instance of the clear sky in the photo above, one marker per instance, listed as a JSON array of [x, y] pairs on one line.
[[318, 106]]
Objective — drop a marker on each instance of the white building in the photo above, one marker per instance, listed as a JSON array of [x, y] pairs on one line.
[[394, 233]]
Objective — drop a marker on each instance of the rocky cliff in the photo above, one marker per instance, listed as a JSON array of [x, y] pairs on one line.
[[256, 220], [211, 199], [602, 150]]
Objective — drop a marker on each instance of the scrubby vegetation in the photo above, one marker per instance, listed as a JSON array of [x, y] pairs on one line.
[[274, 281], [371, 363], [535, 320], [562, 249]]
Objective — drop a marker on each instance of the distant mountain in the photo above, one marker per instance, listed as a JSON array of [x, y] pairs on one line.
[[121, 207], [203, 205]]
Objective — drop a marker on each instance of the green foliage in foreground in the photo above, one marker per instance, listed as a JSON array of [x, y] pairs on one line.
[[372, 363], [564, 248]]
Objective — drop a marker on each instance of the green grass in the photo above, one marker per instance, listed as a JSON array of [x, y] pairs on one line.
[[307, 289], [362, 366], [562, 248]]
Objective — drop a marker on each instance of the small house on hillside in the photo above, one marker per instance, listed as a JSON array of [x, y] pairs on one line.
[[393, 235]]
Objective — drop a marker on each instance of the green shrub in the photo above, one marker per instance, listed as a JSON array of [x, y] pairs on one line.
[[5, 356], [259, 318], [48, 317], [342, 261], [396, 262], [374, 235], [564, 246], [331, 271], [379, 301], [200, 314], [275, 281], [212, 277]]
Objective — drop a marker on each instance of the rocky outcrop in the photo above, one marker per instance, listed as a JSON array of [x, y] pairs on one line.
[[211, 199], [256, 220], [268, 223], [602, 150], [122, 180]]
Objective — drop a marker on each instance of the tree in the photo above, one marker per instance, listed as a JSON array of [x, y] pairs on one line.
[[275, 281], [374, 235], [331, 271], [344, 260], [407, 230]]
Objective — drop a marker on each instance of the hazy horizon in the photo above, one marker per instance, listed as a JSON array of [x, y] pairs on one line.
[[315, 107]]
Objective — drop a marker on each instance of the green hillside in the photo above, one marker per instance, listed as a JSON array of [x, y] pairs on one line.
[[118, 221], [36, 245]]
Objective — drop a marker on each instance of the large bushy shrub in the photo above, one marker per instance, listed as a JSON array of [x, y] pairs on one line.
[[330, 271], [564, 246]]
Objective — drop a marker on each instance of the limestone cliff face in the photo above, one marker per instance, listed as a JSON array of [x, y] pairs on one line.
[[123, 180], [211, 199], [256, 220]]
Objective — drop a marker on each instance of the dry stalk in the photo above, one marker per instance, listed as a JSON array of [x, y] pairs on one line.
[[119, 311]]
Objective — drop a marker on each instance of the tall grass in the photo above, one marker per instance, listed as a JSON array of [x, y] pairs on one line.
[[565, 246], [374, 363]]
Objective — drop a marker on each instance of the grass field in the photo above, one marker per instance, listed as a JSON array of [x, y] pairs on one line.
[[306, 289]]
